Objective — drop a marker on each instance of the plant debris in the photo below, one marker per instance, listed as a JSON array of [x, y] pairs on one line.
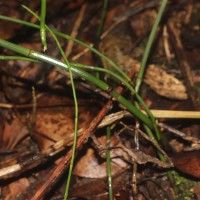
[[37, 106]]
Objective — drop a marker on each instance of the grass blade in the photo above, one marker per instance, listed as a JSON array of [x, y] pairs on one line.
[[42, 25]]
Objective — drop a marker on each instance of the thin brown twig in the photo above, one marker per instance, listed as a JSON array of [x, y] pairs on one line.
[[178, 46], [75, 29], [166, 45]]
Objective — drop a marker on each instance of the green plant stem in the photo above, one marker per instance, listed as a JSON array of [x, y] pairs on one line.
[[103, 15], [158, 135], [17, 58], [149, 45], [42, 25], [107, 71], [108, 162], [81, 66], [75, 101], [76, 113], [141, 74]]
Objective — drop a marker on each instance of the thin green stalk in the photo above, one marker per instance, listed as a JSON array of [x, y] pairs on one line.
[[79, 66], [100, 84], [75, 102], [76, 113], [108, 161], [68, 37], [42, 25], [141, 74], [103, 16], [17, 58], [158, 136], [149, 45], [19, 21], [107, 71]]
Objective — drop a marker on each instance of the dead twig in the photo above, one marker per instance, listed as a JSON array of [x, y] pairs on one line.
[[175, 36], [75, 29]]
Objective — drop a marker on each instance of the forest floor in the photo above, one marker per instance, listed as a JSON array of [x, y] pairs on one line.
[[37, 107]]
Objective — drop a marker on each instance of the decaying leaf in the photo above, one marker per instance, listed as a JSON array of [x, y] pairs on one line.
[[164, 83], [188, 162], [91, 165], [118, 48], [55, 124]]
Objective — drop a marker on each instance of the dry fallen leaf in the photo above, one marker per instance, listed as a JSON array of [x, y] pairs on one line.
[[58, 124], [91, 165], [118, 48], [164, 83], [188, 162]]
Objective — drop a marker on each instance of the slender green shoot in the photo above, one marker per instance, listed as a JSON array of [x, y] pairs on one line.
[[42, 25], [19, 21], [75, 102], [108, 161], [76, 65], [149, 45], [103, 16], [106, 71], [142, 70], [158, 135], [17, 58], [140, 77]]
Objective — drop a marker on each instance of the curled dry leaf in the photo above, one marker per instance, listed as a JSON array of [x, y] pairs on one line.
[[118, 49], [164, 83], [56, 124], [91, 165]]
